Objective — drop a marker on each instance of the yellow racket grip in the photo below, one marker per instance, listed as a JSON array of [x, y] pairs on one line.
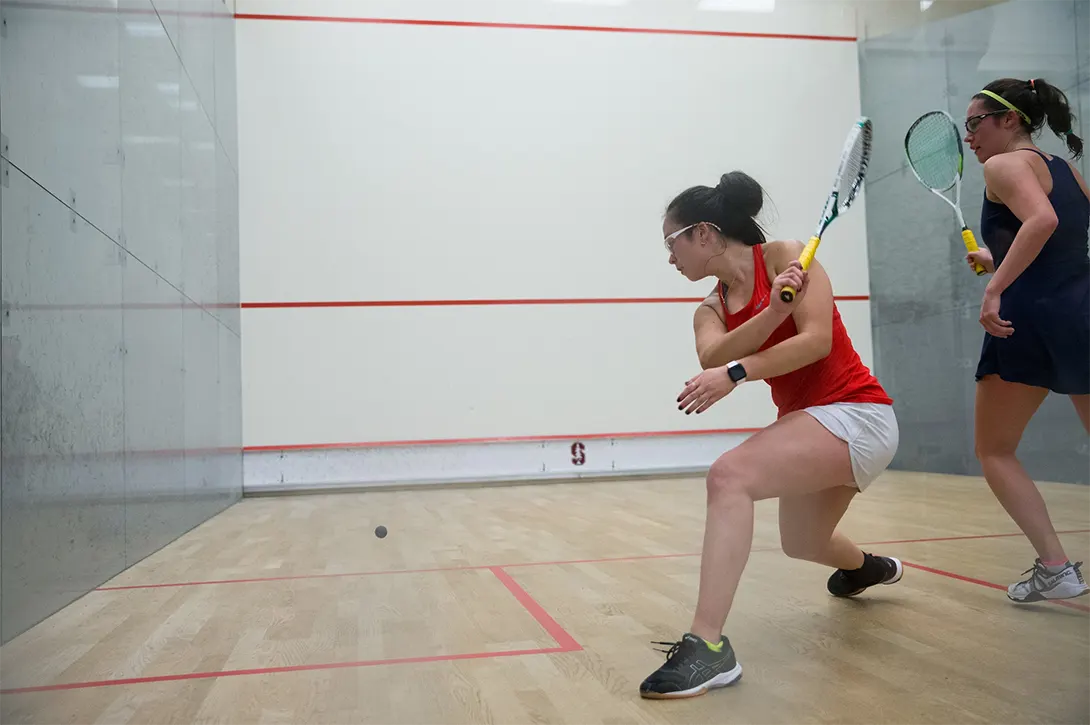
[[971, 245], [787, 294]]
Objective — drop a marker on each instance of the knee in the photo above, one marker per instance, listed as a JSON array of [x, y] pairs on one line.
[[726, 479], [986, 448]]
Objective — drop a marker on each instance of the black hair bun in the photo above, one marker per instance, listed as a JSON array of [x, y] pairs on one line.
[[742, 192]]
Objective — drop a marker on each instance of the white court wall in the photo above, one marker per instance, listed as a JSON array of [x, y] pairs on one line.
[[396, 172]]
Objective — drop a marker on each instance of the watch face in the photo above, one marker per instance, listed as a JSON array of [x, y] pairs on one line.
[[736, 372]]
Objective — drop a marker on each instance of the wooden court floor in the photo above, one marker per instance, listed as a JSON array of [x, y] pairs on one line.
[[539, 603]]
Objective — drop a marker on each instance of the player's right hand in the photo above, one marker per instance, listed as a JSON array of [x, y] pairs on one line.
[[795, 277], [982, 257]]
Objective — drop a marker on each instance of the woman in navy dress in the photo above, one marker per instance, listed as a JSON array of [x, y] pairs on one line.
[[1036, 307]]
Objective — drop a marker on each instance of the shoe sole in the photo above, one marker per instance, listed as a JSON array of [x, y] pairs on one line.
[[721, 680], [893, 580], [1039, 597], [900, 571]]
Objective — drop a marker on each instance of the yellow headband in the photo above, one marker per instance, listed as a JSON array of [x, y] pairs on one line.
[[1008, 104]]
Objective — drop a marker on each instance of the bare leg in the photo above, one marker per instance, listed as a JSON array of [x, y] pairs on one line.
[[1002, 412], [807, 528], [1082, 407], [795, 455]]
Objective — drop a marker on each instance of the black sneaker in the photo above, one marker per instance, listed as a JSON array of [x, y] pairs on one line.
[[875, 570], [692, 668]]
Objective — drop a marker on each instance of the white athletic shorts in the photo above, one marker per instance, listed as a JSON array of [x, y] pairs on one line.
[[869, 429]]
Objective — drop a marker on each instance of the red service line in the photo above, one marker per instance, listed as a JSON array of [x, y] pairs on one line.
[[274, 670], [470, 303], [565, 643], [468, 567], [541, 26], [564, 640], [499, 439], [980, 582], [319, 304], [964, 538]]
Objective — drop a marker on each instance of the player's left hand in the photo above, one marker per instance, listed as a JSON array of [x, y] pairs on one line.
[[989, 316], [701, 392]]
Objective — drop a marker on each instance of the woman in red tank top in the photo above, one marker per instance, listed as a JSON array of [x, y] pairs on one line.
[[835, 430]]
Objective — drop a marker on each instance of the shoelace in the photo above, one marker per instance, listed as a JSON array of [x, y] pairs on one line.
[[674, 648], [1038, 575], [1040, 571]]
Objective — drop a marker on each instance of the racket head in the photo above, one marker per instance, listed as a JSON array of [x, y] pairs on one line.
[[934, 151], [854, 161]]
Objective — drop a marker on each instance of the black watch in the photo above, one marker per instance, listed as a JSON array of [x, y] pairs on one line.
[[736, 372]]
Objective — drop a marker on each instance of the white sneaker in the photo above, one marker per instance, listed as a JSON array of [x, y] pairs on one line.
[[1043, 583]]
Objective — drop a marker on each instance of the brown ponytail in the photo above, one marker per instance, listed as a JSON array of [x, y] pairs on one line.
[[1041, 102]]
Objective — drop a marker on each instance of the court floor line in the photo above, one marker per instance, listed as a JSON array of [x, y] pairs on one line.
[[564, 640], [991, 585], [278, 670], [469, 567], [550, 625]]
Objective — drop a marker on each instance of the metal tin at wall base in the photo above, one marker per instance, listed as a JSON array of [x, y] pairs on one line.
[[297, 471]]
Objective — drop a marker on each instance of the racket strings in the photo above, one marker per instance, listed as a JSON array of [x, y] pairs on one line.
[[855, 168], [934, 152]]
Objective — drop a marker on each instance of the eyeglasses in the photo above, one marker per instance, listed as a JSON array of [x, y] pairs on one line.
[[972, 123], [669, 241]]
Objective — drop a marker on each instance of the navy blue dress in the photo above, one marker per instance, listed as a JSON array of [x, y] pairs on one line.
[[1049, 303]]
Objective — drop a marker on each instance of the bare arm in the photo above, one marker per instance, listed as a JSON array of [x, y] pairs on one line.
[[716, 345], [812, 310], [813, 315], [1011, 178]]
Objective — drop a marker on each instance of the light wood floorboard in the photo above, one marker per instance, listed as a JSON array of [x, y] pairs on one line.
[[539, 603]]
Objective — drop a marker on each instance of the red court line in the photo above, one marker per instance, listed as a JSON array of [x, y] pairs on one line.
[[293, 577], [550, 625], [965, 538], [565, 643], [342, 575], [608, 560], [470, 567], [540, 26], [497, 439], [494, 302], [466, 303], [991, 585], [278, 670]]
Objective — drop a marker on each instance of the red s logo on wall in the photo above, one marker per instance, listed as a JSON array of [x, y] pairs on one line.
[[578, 454]]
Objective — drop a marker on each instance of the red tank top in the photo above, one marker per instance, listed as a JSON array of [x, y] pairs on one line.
[[840, 377]]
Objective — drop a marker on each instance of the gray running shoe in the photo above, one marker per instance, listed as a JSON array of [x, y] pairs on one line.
[[1043, 583]]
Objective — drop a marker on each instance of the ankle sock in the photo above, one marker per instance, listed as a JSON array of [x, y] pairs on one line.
[[1056, 565]]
